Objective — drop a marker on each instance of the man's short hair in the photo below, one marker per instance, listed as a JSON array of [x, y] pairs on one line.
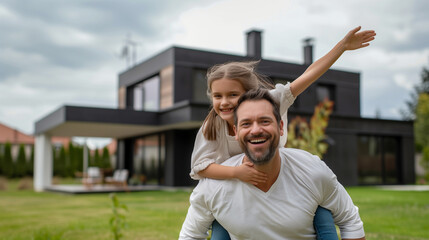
[[259, 94]]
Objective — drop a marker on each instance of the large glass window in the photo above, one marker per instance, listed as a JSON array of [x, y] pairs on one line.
[[149, 159], [378, 160], [199, 86], [146, 95]]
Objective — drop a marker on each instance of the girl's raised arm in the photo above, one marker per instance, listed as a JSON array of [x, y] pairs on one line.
[[353, 40]]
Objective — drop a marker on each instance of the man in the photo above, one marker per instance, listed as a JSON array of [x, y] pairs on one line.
[[284, 206]]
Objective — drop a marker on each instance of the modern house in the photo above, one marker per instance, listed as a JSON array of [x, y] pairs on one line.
[[163, 102]]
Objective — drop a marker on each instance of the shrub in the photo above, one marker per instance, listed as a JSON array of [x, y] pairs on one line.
[[311, 136]]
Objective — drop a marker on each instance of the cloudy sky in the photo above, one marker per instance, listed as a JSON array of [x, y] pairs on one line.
[[58, 52]]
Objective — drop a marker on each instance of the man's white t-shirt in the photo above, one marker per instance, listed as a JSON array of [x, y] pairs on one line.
[[285, 211]]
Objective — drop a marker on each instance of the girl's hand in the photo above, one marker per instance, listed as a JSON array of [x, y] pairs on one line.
[[355, 39], [246, 173]]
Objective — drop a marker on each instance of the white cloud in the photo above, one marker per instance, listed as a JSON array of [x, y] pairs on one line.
[[402, 81], [72, 61], [6, 14], [68, 36]]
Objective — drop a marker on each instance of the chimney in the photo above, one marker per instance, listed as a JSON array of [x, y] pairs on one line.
[[254, 44], [308, 51]]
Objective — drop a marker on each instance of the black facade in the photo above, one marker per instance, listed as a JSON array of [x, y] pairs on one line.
[[162, 104], [345, 129]]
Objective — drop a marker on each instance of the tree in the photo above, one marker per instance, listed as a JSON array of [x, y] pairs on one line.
[[1, 158], [425, 162], [106, 158], [97, 159], [421, 124], [311, 137], [423, 87], [21, 162], [59, 161], [75, 163], [7, 160], [30, 163]]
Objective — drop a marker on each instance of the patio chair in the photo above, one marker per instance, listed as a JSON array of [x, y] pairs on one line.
[[119, 178], [92, 176]]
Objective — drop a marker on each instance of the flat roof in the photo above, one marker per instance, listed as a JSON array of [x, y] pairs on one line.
[[73, 121]]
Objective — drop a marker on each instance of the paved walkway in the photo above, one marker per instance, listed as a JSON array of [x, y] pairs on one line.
[[405, 187]]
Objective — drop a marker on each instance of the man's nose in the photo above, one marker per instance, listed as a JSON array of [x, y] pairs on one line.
[[256, 128]]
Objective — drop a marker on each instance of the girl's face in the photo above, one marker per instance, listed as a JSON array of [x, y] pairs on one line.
[[225, 94]]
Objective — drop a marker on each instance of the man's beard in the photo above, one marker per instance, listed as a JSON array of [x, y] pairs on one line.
[[267, 155]]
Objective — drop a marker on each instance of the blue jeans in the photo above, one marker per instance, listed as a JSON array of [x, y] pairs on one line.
[[218, 232], [323, 224]]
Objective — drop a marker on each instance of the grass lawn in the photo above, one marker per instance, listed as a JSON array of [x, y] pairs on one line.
[[159, 215]]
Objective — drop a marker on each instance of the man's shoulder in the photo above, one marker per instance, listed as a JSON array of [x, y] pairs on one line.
[[300, 159], [298, 154]]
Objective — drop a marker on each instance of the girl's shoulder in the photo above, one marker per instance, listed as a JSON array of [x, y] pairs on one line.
[[282, 91]]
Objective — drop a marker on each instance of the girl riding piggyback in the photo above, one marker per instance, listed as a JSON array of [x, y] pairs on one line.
[[215, 141]]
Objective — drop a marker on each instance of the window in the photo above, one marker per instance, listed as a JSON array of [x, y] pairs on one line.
[[146, 95], [149, 159], [325, 92], [199, 86], [378, 160]]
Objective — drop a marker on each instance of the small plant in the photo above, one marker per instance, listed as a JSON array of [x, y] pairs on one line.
[[118, 220], [45, 234]]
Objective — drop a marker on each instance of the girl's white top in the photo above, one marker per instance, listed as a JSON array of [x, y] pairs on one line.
[[225, 146]]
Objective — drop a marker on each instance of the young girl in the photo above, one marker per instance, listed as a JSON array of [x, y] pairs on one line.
[[215, 141]]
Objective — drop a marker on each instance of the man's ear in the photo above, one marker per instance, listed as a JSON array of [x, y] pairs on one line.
[[281, 128], [235, 132]]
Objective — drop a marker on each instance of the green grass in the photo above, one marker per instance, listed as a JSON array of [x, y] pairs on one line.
[[395, 215], [25, 214]]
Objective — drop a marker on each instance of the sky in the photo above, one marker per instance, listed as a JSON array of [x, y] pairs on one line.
[[61, 52]]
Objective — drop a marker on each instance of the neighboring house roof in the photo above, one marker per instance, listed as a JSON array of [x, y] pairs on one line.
[[14, 136]]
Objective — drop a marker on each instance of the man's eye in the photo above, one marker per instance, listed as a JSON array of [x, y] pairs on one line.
[[245, 124], [266, 122]]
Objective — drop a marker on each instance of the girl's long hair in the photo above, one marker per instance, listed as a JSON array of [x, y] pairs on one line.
[[245, 73]]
